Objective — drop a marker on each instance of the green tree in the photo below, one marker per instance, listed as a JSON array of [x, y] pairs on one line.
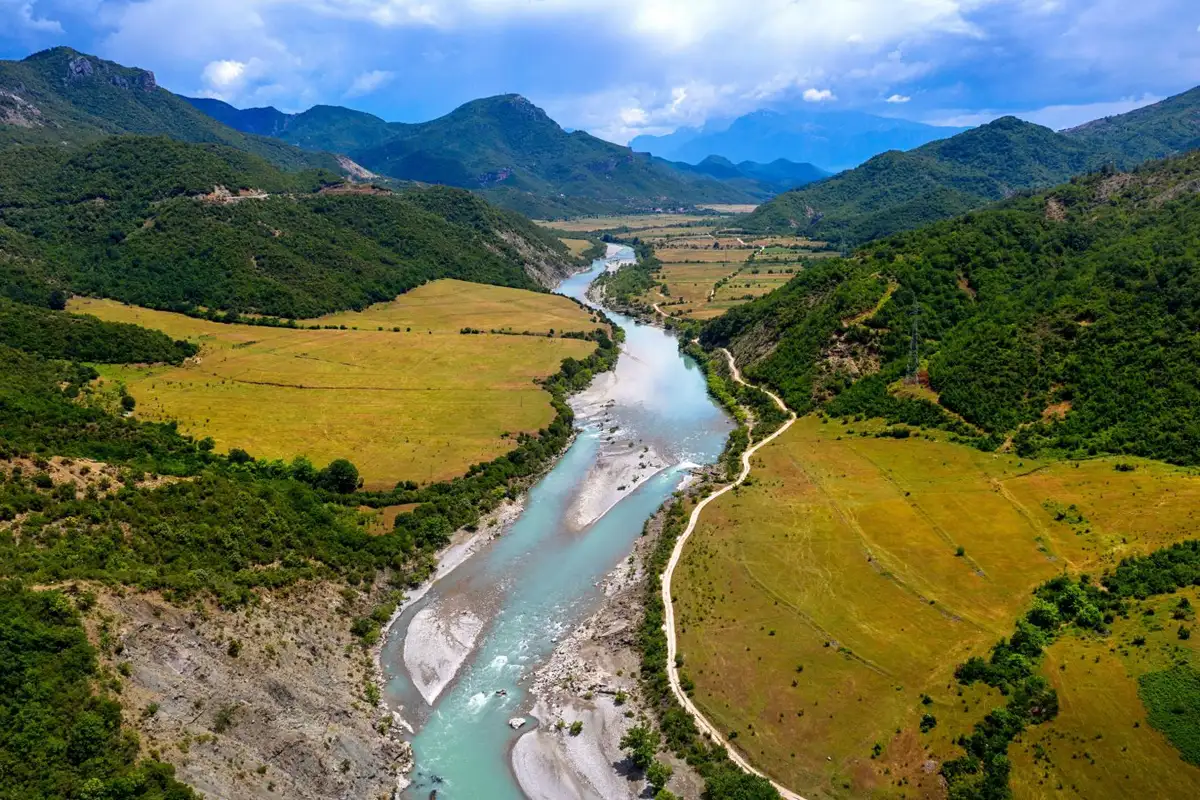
[[657, 775], [640, 744], [340, 476]]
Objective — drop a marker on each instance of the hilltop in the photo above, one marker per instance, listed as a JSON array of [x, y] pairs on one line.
[[504, 147], [898, 191], [833, 140], [62, 95]]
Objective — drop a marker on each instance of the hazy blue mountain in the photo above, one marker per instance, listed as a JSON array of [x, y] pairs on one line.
[[834, 140], [760, 180]]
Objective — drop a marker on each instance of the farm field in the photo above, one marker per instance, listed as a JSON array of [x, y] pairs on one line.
[[820, 603], [1102, 744], [633, 222], [704, 283], [730, 208], [576, 246], [420, 405]]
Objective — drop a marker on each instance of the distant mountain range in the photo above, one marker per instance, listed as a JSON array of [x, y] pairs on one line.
[[834, 140], [897, 191], [754, 178], [511, 151]]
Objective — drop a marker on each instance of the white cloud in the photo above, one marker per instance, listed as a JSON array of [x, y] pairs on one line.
[[818, 95], [898, 98], [368, 82], [222, 75], [23, 18]]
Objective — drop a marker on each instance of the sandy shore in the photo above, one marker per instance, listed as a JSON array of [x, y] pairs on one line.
[[438, 640]]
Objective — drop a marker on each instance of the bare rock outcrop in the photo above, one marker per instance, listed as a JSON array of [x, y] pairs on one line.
[[265, 702]]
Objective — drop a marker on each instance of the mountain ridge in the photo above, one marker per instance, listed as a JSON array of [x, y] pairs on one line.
[[61, 94], [503, 146], [897, 191]]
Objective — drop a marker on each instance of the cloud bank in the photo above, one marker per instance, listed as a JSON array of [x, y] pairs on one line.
[[623, 67]]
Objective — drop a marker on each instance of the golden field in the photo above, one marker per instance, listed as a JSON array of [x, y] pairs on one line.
[[421, 404]]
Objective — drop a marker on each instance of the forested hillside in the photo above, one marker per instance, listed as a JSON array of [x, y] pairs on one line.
[[171, 225], [504, 147], [62, 95], [1155, 131], [898, 191], [1066, 320]]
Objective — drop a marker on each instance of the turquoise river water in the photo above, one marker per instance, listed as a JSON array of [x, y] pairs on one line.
[[529, 587]]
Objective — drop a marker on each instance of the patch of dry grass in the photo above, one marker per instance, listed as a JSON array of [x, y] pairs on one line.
[[841, 558], [419, 405]]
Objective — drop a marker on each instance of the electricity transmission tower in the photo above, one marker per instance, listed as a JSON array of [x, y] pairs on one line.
[[914, 346]]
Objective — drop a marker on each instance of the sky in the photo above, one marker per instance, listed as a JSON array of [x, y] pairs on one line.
[[619, 68]]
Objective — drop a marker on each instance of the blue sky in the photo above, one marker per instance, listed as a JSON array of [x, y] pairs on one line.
[[622, 67]]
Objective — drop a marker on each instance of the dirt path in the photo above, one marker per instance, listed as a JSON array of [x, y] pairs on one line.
[[672, 647]]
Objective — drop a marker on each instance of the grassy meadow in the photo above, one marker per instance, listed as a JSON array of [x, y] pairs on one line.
[[823, 607], [1103, 742], [422, 403]]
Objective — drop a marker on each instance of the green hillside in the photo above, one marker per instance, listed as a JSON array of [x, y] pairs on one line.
[[1066, 320], [504, 147], [897, 191], [62, 95], [1155, 131], [137, 219]]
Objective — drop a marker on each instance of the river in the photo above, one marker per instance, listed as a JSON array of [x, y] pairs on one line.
[[496, 617]]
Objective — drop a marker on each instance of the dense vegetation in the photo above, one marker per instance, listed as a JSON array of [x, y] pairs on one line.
[[1061, 604], [897, 191], [504, 147], [61, 95], [1172, 698], [1066, 320], [121, 218], [1155, 131], [59, 737], [623, 288], [78, 337]]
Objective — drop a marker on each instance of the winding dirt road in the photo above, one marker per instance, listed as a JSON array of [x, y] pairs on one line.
[[669, 626]]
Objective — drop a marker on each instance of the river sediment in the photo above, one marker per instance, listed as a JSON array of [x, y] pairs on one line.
[[535, 628]]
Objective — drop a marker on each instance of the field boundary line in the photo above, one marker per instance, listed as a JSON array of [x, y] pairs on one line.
[[669, 608]]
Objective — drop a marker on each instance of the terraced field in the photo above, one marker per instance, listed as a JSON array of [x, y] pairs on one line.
[[823, 603], [405, 397]]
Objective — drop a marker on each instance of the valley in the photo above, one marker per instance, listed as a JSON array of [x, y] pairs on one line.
[[795, 449]]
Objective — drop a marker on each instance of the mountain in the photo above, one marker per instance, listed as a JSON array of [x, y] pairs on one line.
[[835, 140], [897, 191], [1065, 320], [62, 95], [1162, 129], [761, 180], [332, 128], [172, 225], [504, 147]]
